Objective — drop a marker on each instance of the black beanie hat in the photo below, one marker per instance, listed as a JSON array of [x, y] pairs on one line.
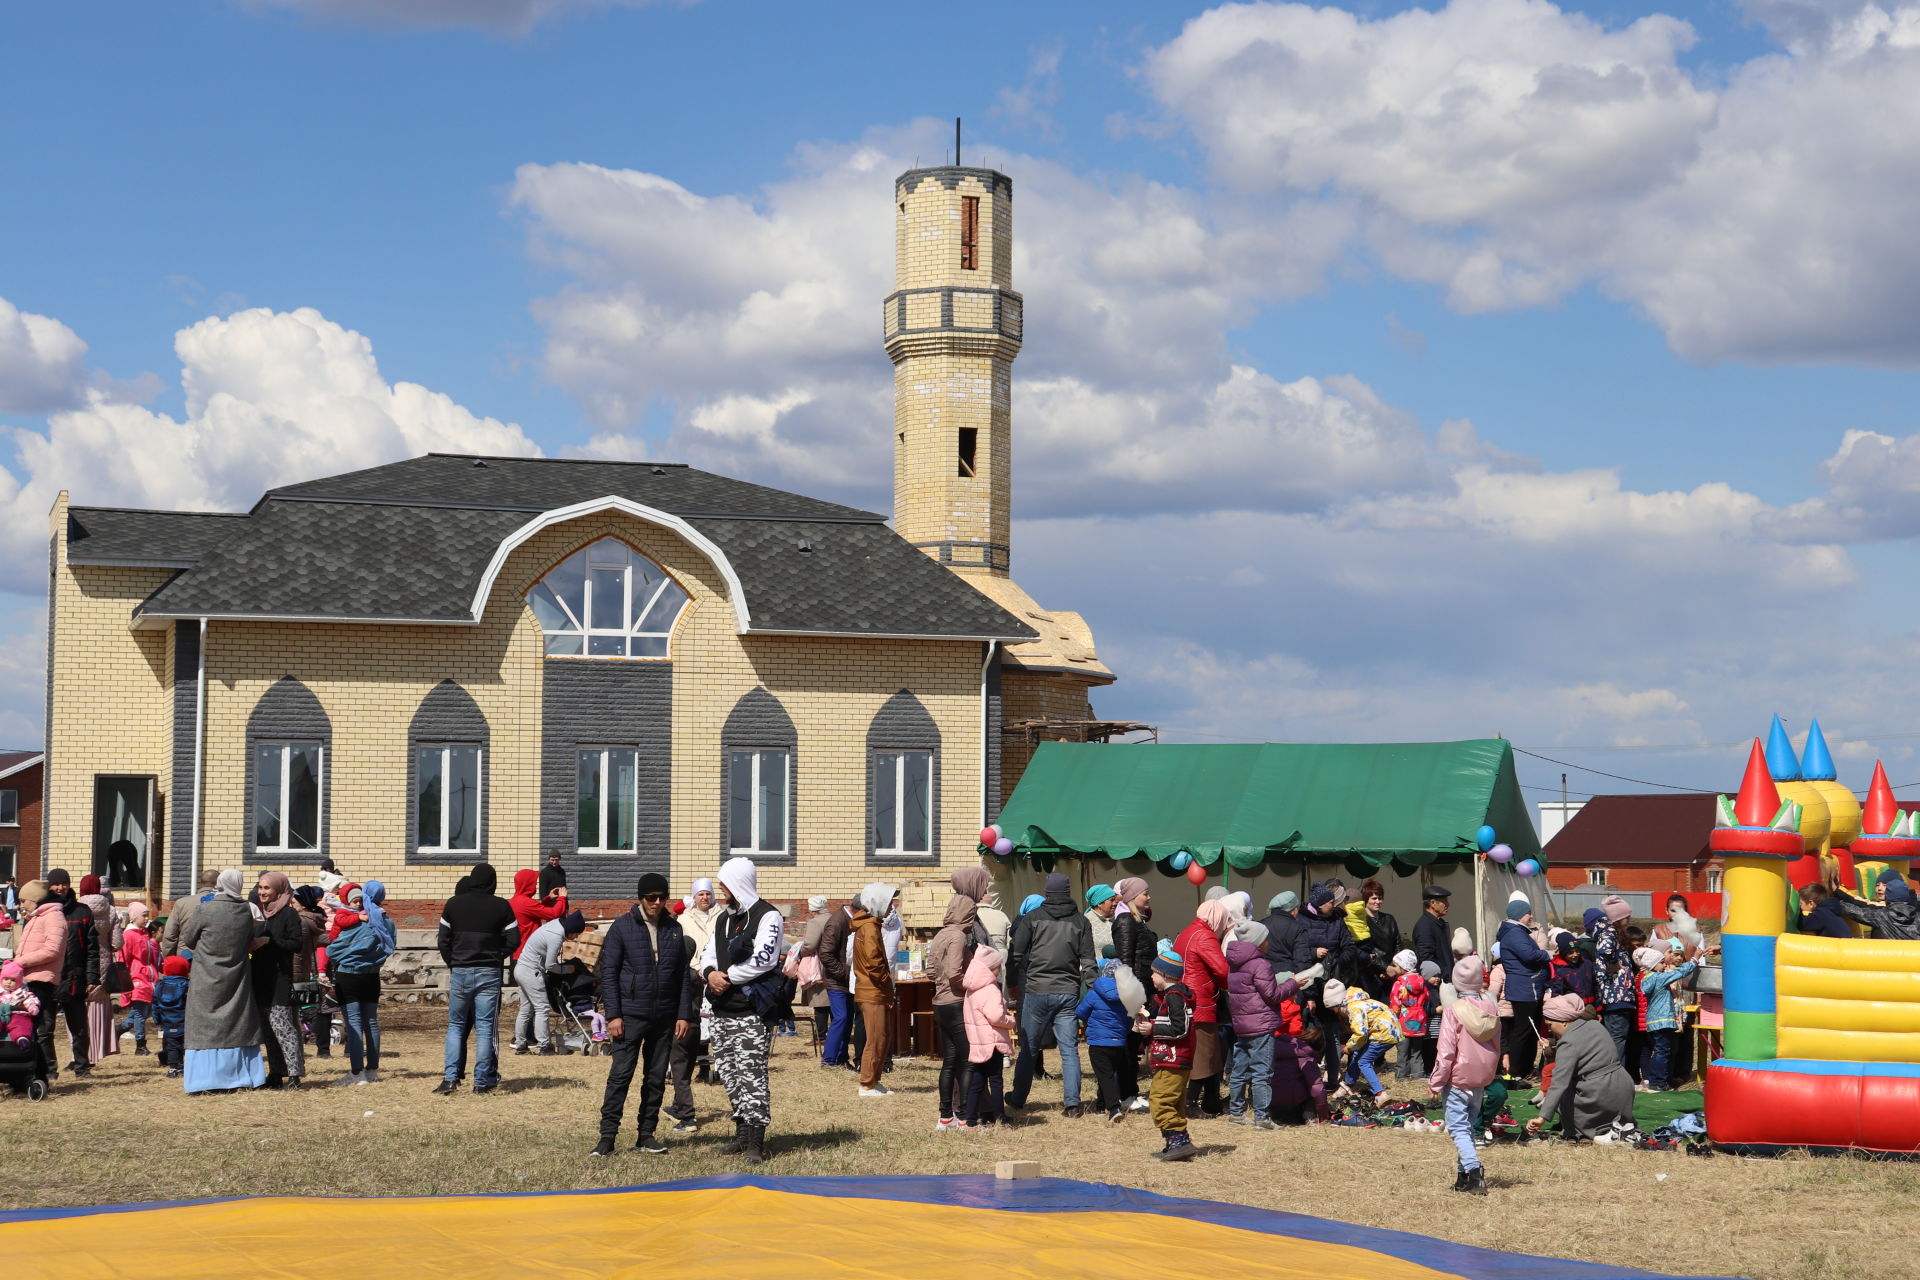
[[652, 882], [572, 922]]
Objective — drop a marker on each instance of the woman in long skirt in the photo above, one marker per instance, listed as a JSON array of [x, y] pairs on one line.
[[223, 1020], [101, 1040]]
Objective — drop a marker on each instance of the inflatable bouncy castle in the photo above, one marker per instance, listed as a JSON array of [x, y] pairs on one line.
[[1822, 1035]]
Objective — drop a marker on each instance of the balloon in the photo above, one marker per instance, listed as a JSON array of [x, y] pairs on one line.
[[1528, 867], [1182, 860], [1197, 873], [1500, 853], [998, 831], [988, 836], [1003, 846], [1485, 837]]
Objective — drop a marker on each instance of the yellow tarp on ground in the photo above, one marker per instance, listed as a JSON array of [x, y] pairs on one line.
[[661, 1235]]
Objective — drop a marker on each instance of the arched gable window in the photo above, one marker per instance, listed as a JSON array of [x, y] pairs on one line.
[[903, 773], [447, 778], [607, 601], [289, 737]]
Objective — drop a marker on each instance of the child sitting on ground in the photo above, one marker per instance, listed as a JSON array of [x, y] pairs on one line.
[[1299, 1078], [1370, 1033], [984, 1010], [18, 1006], [170, 1011], [1407, 998], [1465, 1063], [1168, 1025], [1660, 972]]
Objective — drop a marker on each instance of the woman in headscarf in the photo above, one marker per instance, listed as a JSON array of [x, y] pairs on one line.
[[872, 970], [1102, 902], [1133, 946], [948, 956], [308, 964], [101, 1040], [137, 953], [1204, 970], [1591, 1092], [814, 994], [743, 949], [223, 1030], [273, 979]]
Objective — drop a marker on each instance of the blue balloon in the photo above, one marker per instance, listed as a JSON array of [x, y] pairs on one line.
[[1181, 860], [1485, 838]]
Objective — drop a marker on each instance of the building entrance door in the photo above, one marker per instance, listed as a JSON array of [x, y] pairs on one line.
[[123, 828]]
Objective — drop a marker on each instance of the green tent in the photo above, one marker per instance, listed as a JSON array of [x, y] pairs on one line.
[[1367, 805]]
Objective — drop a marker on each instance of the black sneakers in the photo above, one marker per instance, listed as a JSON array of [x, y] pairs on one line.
[[445, 1087], [602, 1148], [650, 1145]]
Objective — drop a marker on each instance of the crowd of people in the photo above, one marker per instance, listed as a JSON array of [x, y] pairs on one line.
[[233, 985], [1262, 1022]]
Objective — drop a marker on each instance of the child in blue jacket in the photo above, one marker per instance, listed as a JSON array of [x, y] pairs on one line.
[[1103, 1011], [1660, 972], [170, 1011]]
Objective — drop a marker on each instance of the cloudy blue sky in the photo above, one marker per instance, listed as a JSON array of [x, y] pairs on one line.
[[1391, 373]]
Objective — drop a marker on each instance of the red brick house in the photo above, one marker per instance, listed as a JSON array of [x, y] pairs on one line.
[[1637, 843], [22, 779]]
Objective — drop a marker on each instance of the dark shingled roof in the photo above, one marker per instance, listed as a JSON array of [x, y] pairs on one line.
[[412, 542], [166, 537], [542, 484]]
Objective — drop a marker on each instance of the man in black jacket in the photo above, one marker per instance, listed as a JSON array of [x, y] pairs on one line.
[[646, 983], [1050, 967], [477, 936], [1431, 940], [1896, 917], [1283, 927], [80, 978]]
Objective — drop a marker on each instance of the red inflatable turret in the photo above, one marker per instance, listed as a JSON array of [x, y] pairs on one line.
[[1757, 817]]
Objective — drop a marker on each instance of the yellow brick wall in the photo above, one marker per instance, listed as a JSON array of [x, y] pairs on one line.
[[1031, 695], [112, 713], [111, 710]]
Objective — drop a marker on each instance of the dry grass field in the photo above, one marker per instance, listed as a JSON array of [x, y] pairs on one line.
[[1798, 1218]]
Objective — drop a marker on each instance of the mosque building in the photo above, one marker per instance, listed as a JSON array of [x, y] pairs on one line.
[[450, 659]]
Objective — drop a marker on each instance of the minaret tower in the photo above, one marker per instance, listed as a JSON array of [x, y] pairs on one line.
[[952, 329]]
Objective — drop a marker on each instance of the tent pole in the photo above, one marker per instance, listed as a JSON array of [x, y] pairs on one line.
[[1479, 905]]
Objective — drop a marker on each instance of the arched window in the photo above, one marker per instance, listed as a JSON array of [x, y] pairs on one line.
[[607, 601], [289, 737]]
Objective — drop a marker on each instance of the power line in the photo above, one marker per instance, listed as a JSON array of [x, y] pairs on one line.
[[1620, 777]]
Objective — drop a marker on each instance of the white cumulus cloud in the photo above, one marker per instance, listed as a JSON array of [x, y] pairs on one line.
[[42, 362], [271, 398], [1511, 151]]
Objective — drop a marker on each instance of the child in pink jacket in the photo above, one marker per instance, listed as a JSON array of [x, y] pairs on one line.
[[985, 1012], [18, 1006], [1465, 1062]]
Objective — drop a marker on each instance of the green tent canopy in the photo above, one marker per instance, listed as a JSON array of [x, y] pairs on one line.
[[1365, 804]]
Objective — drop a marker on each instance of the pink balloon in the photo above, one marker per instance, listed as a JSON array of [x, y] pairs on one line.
[[1196, 873], [1003, 846], [1500, 853], [988, 836]]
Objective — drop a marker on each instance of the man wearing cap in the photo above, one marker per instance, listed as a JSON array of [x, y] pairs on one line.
[[696, 922], [1430, 942], [647, 985]]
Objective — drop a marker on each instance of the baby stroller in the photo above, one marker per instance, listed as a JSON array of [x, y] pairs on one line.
[[22, 1070], [572, 990]]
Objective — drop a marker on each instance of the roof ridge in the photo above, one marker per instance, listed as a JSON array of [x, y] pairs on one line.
[[518, 457], [156, 511]]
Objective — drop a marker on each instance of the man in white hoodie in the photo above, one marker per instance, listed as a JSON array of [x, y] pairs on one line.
[[743, 949]]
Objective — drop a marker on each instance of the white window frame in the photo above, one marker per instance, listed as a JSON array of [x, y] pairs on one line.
[[286, 778], [578, 624], [9, 859], [899, 796], [755, 817], [9, 794], [606, 795], [479, 795], [1716, 878], [1596, 876]]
